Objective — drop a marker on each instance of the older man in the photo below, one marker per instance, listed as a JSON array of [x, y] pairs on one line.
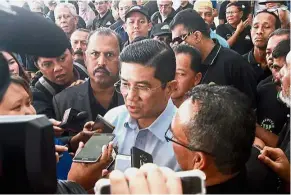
[[166, 12]]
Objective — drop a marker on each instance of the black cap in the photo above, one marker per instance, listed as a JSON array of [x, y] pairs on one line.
[[4, 76], [161, 29], [29, 33], [140, 9]]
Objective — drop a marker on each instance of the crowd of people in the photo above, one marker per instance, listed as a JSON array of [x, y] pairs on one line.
[[193, 93]]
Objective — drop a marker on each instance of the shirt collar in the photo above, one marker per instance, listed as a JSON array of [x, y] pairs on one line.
[[160, 125], [213, 54], [251, 57]]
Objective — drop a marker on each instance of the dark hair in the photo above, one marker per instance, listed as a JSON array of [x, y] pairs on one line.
[[82, 30], [152, 53], [196, 59], [191, 21], [23, 83], [224, 126], [277, 19], [282, 49], [69, 47], [106, 32], [22, 72], [280, 32], [236, 4]]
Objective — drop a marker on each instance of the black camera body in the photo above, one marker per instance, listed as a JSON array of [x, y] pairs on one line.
[[73, 120]]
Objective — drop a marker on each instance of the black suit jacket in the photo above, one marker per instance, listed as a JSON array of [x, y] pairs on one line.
[[76, 97]]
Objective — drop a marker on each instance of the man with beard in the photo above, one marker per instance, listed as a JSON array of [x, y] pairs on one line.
[[97, 95], [268, 138], [79, 44]]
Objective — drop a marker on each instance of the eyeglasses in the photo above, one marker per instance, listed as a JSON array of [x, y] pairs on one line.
[[124, 88], [231, 13], [169, 136], [271, 10], [178, 40]]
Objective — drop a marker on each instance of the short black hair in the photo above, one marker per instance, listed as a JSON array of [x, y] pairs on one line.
[[35, 58], [277, 19], [106, 32], [282, 49], [280, 32], [196, 58], [191, 21], [224, 126], [152, 53], [236, 4]]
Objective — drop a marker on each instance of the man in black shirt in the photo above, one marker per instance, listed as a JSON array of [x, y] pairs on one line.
[[236, 31], [104, 17], [264, 23], [185, 4], [221, 65], [97, 95]]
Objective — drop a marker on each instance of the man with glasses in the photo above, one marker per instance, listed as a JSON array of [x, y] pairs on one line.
[[264, 23], [166, 12], [146, 83], [104, 17], [236, 31], [220, 65], [97, 95]]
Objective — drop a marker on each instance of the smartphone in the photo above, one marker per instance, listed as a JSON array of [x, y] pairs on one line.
[[122, 162], [139, 157], [101, 123], [113, 156], [93, 148], [193, 182]]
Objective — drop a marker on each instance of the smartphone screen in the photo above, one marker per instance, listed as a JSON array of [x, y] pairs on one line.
[[122, 162], [101, 123], [93, 148]]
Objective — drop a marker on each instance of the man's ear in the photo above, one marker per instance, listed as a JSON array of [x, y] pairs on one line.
[[150, 26], [76, 20], [197, 79], [171, 87], [199, 161]]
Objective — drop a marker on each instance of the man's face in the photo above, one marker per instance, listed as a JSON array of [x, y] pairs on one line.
[[79, 42], [278, 63], [233, 15], [82, 5], [185, 76], [146, 99], [179, 31], [57, 70], [66, 20], [285, 80], [124, 6], [137, 25], [179, 127], [165, 7], [101, 7], [16, 101], [102, 60], [272, 43], [263, 25], [206, 14]]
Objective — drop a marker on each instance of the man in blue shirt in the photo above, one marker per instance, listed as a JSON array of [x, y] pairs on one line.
[[205, 10], [148, 110]]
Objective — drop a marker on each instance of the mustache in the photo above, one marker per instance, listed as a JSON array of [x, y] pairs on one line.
[[103, 70], [78, 52]]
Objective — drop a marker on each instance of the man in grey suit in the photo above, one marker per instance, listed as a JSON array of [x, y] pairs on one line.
[[97, 95]]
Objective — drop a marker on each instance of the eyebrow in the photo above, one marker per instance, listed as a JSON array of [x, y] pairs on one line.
[[138, 82]]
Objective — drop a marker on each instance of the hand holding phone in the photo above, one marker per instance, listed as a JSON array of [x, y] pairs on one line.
[[101, 123], [139, 157], [86, 174]]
